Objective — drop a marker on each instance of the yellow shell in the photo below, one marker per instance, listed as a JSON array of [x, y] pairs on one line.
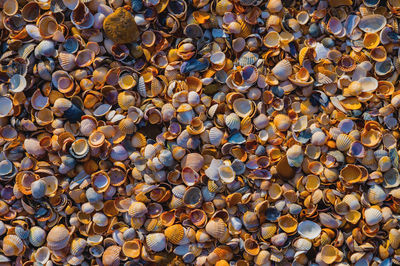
[[287, 223], [329, 254], [175, 233], [138, 140], [12, 245], [132, 248]]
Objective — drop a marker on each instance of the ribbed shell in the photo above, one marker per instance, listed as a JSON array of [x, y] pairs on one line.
[[78, 245], [138, 140], [58, 237], [268, 230], [343, 142], [372, 216], [12, 245], [376, 194], [216, 228], [141, 87], [156, 242], [87, 126], [37, 236], [111, 256], [175, 233], [137, 209], [127, 126], [232, 121]]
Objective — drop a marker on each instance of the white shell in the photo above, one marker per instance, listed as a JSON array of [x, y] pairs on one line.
[[156, 242], [372, 216], [309, 229]]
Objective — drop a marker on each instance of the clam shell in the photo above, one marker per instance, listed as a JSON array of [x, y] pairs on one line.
[[216, 228], [329, 254], [42, 255], [12, 245], [372, 216], [372, 23], [111, 255], [132, 248], [287, 223], [156, 242], [175, 234], [58, 237], [137, 209], [282, 70]]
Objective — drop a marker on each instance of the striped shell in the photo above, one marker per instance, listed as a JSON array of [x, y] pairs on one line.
[[12, 245], [175, 233], [156, 242], [37, 236], [111, 256], [58, 237]]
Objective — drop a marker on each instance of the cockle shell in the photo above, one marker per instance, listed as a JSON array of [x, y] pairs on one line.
[[282, 70], [372, 216], [37, 236], [309, 229], [58, 237], [175, 234], [12, 245], [111, 256], [156, 242]]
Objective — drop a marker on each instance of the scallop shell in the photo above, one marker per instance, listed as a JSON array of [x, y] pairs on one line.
[[329, 254], [216, 228], [132, 248], [137, 209]]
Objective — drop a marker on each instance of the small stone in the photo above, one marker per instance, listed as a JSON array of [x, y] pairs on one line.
[[120, 27]]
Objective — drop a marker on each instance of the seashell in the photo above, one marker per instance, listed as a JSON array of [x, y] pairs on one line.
[[192, 197], [12, 245], [379, 54], [282, 70], [216, 228], [268, 230], [132, 248], [38, 189], [71, 4], [30, 12], [137, 209], [156, 242], [193, 160], [175, 234], [58, 237], [302, 244], [84, 58], [372, 216], [272, 39], [47, 26], [371, 138], [37, 236], [78, 246], [100, 181], [111, 255], [372, 23], [343, 142], [329, 254], [302, 17], [376, 194], [287, 223], [371, 40], [42, 255], [282, 122], [251, 247]]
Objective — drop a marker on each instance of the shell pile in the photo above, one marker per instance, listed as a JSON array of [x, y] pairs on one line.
[[199, 132]]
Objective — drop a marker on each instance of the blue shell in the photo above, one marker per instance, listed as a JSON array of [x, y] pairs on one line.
[[394, 157], [371, 3], [71, 45], [314, 30], [137, 5], [236, 138], [193, 65], [238, 166], [272, 214], [74, 113], [328, 42]]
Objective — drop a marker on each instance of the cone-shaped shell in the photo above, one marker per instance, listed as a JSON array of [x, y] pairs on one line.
[[12, 245], [175, 233], [287, 223], [58, 237]]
